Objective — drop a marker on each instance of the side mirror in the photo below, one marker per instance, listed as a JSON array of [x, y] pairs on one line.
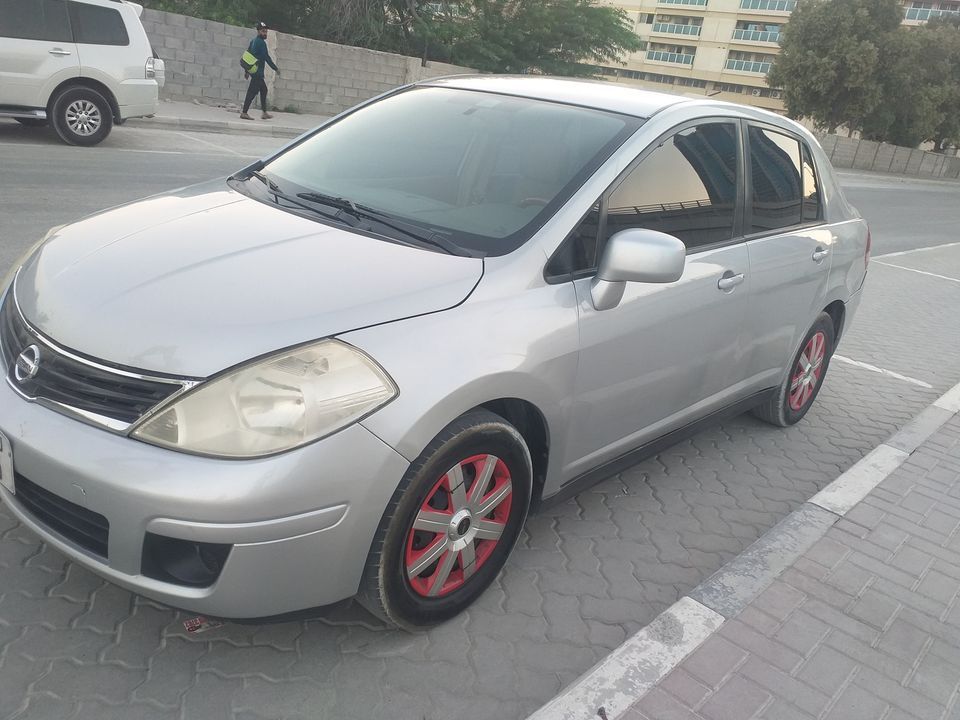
[[636, 255]]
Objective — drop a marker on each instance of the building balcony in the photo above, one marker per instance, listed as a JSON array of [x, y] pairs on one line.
[[675, 29], [768, 5], [770, 36], [697, 3], [924, 14], [670, 57], [750, 66]]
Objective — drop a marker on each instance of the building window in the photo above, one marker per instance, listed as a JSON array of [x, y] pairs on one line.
[[772, 5], [691, 82], [749, 62]]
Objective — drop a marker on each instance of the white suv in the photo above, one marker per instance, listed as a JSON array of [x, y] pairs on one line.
[[81, 65]]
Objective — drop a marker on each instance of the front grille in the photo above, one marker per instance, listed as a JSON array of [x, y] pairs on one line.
[[86, 528], [68, 381]]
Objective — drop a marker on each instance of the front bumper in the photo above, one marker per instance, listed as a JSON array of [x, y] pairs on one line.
[[300, 523]]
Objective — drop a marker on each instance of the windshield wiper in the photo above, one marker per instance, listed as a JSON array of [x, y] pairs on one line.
[[364, 212], [279, 195]]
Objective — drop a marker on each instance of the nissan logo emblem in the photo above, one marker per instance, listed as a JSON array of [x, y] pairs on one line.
[[28, 364]]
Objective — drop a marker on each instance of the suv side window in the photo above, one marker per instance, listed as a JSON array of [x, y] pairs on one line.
[[776, 178], [687, 187], [95, 25], [812, 206], [35, 20]]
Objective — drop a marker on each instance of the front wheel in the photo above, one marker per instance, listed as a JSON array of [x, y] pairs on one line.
[[82, 116], [805, 378], [451, 524]]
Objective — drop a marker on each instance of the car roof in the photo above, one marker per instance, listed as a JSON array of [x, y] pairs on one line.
[[599, 94]]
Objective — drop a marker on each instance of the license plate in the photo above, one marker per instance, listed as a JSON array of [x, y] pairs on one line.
[[6, 463]]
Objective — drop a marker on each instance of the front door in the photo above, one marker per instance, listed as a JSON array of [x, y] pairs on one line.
[[668, 353], [36, 51]]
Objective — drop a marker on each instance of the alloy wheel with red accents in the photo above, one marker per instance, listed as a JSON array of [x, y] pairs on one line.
[[452, 523], [459, 525], [790, 402], [807, 372]]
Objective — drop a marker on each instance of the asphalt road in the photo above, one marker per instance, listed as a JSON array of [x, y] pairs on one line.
[[585, 574]]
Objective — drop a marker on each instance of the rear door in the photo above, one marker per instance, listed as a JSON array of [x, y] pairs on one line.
[[668, 353], [104, 43], [36, 51], [789, 245]]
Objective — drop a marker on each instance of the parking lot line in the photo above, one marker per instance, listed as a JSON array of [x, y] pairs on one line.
[[888, 373], [211, 144], [922, 272], [915, 250]]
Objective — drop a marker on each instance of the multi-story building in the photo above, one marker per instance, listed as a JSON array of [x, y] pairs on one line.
[[720, 48]]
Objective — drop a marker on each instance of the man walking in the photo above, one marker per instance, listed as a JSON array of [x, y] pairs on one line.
[[258, 48]]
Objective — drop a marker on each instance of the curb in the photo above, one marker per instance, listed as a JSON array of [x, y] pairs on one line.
[[615, 683], [232, 127]]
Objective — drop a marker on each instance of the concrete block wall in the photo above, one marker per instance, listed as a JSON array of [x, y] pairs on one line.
[[202, 60], [846, 152]]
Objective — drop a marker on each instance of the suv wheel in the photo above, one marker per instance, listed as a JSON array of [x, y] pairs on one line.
[[451, 524], [82, 116], [802, 384]]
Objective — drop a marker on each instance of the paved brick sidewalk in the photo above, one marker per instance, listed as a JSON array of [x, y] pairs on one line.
[[864, 625]]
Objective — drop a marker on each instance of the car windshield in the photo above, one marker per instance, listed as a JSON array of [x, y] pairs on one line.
[[480, 171]]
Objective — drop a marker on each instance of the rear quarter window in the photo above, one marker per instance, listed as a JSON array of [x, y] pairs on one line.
[[95, 25]]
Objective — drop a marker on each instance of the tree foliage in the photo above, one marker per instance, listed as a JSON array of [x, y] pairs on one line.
[[560, 37], [851, 62], [830, 56]]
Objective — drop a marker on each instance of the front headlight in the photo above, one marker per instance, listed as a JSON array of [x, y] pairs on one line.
[[273, 405]]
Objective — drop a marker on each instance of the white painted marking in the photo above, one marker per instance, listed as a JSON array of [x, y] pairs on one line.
[[950, 400], [853, 486], [211, 144], [922, 272], [157, 152], [923, 249], [888, 373], [626, 674]]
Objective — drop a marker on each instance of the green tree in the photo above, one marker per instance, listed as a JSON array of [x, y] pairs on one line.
[[830, 57], [555, 37]]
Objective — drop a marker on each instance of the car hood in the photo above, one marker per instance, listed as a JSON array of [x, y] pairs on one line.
[[193, 282]]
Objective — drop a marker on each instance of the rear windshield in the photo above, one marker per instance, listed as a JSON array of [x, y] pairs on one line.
[[485, 171]]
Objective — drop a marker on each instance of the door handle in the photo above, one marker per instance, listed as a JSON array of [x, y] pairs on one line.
[[819, 254], [729, 281], [60, 51]]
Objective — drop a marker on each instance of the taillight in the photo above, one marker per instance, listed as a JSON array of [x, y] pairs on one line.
[[866, 255], [150, 69]]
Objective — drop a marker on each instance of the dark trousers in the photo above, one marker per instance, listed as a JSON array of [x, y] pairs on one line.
[[257, 85]]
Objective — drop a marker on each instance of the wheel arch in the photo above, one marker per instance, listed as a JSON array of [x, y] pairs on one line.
[[533, 427], [88, 83], [837, 311]]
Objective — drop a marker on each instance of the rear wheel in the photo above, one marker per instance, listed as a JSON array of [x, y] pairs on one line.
[[802, 384], [82, 116], [32, 122], [451, 524]]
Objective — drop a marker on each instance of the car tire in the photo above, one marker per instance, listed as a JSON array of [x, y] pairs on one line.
[[82, 116], [428, 562], [32, 122], [803, 381]]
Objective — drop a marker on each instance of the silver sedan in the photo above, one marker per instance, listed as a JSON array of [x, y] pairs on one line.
[[353, 368]]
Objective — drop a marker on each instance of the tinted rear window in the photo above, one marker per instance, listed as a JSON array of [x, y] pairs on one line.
[[95, 25], [35, 20], [776, 178]]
